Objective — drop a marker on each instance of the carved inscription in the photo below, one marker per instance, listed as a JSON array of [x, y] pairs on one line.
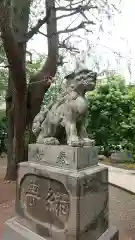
[[62, 158], [39, 154], [32, 195], [57, 202], [45, 200]]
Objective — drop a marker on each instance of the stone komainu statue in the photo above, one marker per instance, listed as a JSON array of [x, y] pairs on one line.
[[63, 121]]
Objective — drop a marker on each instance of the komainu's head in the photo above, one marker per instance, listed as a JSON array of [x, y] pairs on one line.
[[84, 80]]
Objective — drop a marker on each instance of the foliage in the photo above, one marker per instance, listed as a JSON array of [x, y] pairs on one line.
[[3, 83], [111, 119], [3, 135], [2, 114], [55, 90], [3, 72], [34, 66], [56, 87], [31, 68]]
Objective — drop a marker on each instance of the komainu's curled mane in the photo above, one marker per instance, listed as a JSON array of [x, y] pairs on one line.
[[63, 121]]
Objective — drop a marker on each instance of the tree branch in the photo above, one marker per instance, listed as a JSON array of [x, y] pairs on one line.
[[35, 29], [63, 44], [69, 48], [78, 9], [11, 46], [75, 3], [80, 26], [68, 30], [45, 35], [67, 15], [36, 91]]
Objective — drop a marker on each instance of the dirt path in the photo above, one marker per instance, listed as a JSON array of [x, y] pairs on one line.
[[122, 212], [7, 197], [121, 207]]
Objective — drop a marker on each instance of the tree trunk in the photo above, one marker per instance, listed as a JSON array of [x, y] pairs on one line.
[[37, 90], [19, 126], [16, 59], [26, 103], [16, 115], [11, 166]]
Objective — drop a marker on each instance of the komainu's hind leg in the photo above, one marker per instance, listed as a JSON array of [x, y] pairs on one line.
[[47, 134], [84, 136], [71, 132]]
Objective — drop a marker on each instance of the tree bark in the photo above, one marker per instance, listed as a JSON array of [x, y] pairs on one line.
[[12, 30], [11, 166], [26, 103], [20, 25], [36, 88]]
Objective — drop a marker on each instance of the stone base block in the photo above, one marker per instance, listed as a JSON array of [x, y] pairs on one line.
[[16, 229], [64, 204], [110, 234], [63, 156]]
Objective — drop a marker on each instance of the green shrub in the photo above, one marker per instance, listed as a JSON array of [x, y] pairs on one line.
[[111, 117]]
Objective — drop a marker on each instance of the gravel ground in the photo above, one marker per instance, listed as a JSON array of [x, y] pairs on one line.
[[122, 212]]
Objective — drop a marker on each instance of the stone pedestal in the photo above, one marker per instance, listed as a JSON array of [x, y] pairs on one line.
[[62, 193]]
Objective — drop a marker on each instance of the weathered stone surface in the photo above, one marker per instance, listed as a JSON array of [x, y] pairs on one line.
[[110, 234], [17, 230], [62, 193], [63, 121], [64, 204], [46, 200], [63, 156]]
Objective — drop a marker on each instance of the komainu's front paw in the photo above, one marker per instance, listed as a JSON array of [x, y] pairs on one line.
[[48, 141], [75, 142], [88, 142]]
